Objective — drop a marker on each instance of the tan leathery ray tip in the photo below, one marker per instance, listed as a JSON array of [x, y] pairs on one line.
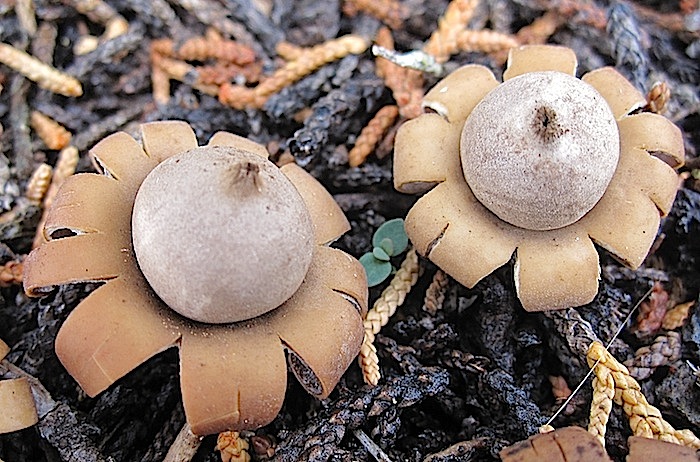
[[167, 138], [4, 349], [17, 404], [647, 449], [322, 328], [626, 232], [232, 377], [562, 445], [87, 202], [620, 94], [471, 82], [94, 257], [556, 269], [121, 156], [449, 226], [115, 329], [423, 161], [661, 180], [655, 134], [236, 141], [536, 58], [327, 217]]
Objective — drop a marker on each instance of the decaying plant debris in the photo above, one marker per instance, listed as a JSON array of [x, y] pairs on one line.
[[465, 372]]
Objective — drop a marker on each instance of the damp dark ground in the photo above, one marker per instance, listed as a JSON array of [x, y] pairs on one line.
[[459, 384]]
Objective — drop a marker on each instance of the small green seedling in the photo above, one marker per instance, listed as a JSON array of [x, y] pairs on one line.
[[389, 240]]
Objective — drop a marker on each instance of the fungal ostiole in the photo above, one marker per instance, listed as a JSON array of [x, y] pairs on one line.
[[246, 177]]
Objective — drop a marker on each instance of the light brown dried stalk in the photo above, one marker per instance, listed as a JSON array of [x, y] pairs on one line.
[[182, 72], [221, 73], [485, 41], [39, 183], [240, 97], [310, 60], [541, 29], [435, 293], [203, 48], [383, 309], [443, 40], [54, 135], [658, 97], [233, 448], [288, 51], [11, 273], [24, 9], [371, 134], [184, 447], [390, 12], [601, 403], [65, 167], [645, 419], [677, 316], [665, 350], [406, 85], [44, 75]]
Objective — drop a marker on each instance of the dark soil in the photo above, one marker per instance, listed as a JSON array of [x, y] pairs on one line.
[[458, 385]]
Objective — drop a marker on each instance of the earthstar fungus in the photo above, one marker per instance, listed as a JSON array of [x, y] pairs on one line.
[[237, 271], [542, 165]]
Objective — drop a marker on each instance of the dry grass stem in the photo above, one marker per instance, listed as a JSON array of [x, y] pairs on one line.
[[39, 183], [645, 420], [390, 12], [435, 293], [54, 135], [44, 75], [383, 309], [443, 41], [233, 448], [371, 134], [677, 316]]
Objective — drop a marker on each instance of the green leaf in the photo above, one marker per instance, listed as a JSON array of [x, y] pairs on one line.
[[377, 270], [380, 254], [395, 232]]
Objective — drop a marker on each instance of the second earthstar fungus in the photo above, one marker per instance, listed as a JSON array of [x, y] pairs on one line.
[[226, 257], [542, 166]]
